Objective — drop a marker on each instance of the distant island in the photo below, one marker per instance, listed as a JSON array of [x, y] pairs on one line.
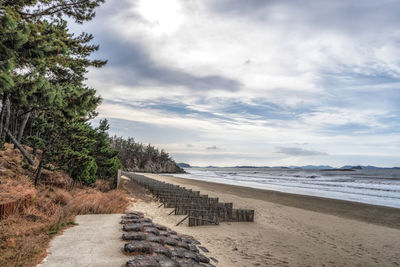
[[183, 165]]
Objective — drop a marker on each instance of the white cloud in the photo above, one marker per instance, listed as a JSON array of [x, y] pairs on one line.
[[317, 64]]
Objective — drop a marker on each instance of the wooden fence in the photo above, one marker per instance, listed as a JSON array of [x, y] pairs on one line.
[[199, 209]]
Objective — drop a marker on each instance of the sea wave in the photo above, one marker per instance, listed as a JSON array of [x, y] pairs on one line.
[[378, 187]]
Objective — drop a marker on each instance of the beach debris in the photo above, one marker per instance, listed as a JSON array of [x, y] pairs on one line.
[[151, 246]]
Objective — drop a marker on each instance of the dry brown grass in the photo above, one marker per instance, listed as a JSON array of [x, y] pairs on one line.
[[11, 190], [58, 179], [14, 175], [24, 237], [104, 185], [91, 201]]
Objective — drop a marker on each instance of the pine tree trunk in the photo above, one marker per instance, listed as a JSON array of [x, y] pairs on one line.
[[7, 107], [23, 151], [23, 125], [3, 111], [39, 170]]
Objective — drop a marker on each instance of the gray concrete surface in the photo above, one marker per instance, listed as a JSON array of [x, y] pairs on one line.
[[95, 241]]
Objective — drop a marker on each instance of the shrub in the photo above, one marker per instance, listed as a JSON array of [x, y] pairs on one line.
[[82, 167]]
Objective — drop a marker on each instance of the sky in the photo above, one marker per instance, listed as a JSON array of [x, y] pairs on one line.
[[255, 82]]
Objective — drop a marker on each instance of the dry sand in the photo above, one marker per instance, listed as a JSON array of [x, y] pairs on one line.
[[290, 230]]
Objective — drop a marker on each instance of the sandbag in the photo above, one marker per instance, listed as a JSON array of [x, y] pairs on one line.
[[134, 236], [138, 246], [193, 248], [151, 261], [170, 241], [152, 230], [155, 239], [160, 227], [160, 249], [184, 253], [202, 258], [137, 220], [136, 226]]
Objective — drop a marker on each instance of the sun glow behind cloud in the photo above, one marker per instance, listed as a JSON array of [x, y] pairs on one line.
[[165, 16]]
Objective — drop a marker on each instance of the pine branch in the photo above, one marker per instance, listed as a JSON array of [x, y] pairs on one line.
[[50, 11]]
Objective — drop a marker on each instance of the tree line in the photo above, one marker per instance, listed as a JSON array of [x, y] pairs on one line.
[[143, 158], [45, 102]]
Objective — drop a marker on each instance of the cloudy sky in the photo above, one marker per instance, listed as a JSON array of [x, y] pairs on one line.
[[255, 82]]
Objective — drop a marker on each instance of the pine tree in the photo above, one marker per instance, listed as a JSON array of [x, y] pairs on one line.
[[42, 79]]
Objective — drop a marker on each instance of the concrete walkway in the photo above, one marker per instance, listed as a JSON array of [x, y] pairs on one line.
[[95, 241]]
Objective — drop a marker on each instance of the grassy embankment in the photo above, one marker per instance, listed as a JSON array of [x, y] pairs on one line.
[[24, 236]]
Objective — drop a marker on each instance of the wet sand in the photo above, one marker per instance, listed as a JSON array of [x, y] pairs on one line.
[[290, 229]]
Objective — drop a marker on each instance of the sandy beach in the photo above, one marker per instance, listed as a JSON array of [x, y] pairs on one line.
[[289, 229]]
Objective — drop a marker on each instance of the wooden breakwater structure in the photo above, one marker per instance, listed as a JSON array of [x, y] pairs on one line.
[[199, 209]]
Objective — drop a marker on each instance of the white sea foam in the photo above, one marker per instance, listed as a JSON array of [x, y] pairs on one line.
[[378, 187]]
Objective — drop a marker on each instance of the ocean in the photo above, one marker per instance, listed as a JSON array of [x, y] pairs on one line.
[[378, 187]]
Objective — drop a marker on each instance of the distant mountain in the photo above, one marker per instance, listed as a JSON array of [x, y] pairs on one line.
[[280, 167], [369, 167], [312, 167], [251, 167], [350, 167], [184, 165]]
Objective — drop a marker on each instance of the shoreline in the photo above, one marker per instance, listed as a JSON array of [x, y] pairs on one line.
[[364, 212], [288, 230]]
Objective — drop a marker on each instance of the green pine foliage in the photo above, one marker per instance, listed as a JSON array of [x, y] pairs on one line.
[[81, 166], [45, 102], [141, 158]]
